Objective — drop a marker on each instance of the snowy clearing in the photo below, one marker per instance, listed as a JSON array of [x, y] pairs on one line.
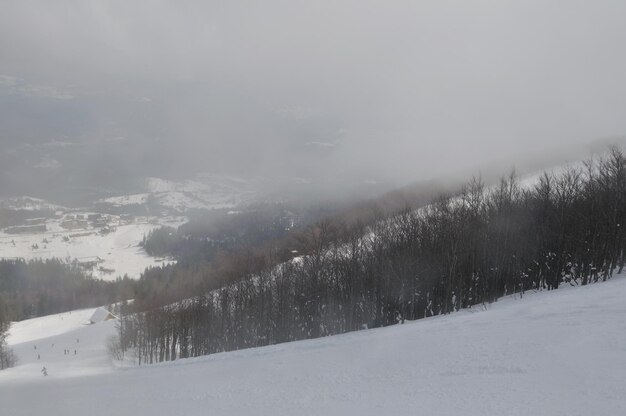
[[551, 353], [208, 192], [104, 255]]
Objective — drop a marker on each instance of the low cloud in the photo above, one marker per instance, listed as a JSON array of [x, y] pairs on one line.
[[394, 92]]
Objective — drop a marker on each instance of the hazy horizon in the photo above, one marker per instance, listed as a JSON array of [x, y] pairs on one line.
[[97, 93]]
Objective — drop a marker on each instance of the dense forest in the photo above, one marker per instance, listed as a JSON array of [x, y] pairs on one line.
[[43, 287], [208, 233], [464, 249], [6, 356], [216, 248]]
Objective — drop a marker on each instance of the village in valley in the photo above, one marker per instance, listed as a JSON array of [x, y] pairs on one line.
[[106, 246], [104, 238]]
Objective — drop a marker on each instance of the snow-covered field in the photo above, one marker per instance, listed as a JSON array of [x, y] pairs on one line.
[[106, 256], [108, 246], [551, 353], [41, 342]]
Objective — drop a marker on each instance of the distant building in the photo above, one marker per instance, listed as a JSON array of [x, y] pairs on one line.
[[101, 315], [94, 217], [35, 221], [26, 229], [70, 224], [101, 223]]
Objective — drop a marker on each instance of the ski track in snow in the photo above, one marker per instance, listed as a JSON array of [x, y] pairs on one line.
[[551, 353]]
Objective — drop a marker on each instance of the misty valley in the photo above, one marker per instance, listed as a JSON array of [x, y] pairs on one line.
[[312, 208]]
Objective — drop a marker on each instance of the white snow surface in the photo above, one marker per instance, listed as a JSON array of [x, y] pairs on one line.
[[207, 192], [48, 326], [123, 200], [115, 254], [550, 353], [42, 341]]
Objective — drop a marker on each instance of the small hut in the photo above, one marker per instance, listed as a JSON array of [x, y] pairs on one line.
[[101, 315]]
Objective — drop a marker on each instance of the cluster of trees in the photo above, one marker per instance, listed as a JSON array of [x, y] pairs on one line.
[[209, 233], [462, 250], [217, 247], [42, 287], [214, 249], [7, 359]]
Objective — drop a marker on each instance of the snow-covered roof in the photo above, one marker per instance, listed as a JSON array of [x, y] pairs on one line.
[[101, 315]]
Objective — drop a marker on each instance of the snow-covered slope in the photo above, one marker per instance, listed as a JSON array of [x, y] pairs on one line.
[[27, 203], [205, 192], [551, 353], [44, 341]]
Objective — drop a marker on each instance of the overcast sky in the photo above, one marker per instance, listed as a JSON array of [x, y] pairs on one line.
[[400, 90]]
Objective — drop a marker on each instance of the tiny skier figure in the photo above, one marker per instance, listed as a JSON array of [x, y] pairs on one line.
[[44, 371], [38, 356]]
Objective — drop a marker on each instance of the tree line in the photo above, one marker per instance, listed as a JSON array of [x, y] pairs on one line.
[[7, 359], [210, 232], [216, 247], [42, 287], [465, 249]]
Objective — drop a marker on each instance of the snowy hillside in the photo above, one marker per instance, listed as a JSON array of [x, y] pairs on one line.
[[42, 342], [27, 203], [550, 353], [205, 192]]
